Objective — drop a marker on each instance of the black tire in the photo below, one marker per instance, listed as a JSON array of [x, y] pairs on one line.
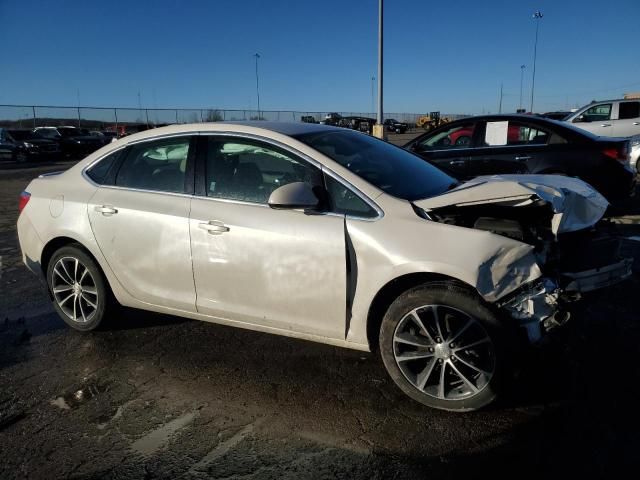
[[21, 157], [90, 309], [450, 301]]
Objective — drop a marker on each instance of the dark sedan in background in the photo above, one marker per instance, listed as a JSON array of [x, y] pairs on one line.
[[497, 144], [74, 142], [22, 146]]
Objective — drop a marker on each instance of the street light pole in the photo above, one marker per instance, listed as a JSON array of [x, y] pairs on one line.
[[379, 129], [373, 98], [536, 16], [522, 67], [257, 84]]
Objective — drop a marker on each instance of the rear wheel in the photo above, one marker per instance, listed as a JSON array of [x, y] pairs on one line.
[[80, 292], [443, 348]]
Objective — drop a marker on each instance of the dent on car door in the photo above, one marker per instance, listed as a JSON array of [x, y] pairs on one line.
[[281, 269], [448, 148], [508, 147], [140, 219]]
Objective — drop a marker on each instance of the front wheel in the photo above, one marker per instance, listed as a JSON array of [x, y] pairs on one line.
[[443, 348], [21, 157], [81, 295]]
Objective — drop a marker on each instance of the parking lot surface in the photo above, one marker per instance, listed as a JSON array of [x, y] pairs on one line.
[[160, 397]]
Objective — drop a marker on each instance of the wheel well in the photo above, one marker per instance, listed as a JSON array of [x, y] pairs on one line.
[[55, 245], [392, 290]]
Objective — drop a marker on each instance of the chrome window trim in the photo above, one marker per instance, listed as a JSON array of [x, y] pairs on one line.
[[307, 158], [251, 136], [474, 149], [122, 147]]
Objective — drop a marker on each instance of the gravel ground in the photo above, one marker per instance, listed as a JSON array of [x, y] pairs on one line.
[[159, 397]]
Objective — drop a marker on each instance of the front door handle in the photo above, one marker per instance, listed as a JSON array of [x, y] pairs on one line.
[[636, 123], [456, 162], [214, 227], [523, 158], [605, 125], [106, 210]]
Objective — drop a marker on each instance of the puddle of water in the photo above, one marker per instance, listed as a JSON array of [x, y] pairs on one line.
[[79, 397], [156, 439]]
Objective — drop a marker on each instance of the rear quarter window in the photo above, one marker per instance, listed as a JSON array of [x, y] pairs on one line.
[[100, 171]]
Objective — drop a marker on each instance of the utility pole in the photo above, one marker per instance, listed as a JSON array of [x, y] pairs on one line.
[[378, 130], [373, 98], [536, 16], [257, 55], [500, 102], [522, 67]]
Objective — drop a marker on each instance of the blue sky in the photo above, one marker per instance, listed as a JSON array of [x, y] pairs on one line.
[[316, 55]]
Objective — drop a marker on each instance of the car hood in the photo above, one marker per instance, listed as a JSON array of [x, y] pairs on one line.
[[575, 204]]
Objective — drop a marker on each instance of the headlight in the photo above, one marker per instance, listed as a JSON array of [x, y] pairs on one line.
[[28, 145], [78, 141]]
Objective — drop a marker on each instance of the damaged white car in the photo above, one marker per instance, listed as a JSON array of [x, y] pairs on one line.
[[323, 234]]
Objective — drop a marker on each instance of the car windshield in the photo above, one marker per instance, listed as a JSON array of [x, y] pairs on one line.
[[72, 132], [390, 168], [48, 133]]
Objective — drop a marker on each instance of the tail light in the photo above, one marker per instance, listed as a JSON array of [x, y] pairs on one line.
[[24, 199], [619, 153]]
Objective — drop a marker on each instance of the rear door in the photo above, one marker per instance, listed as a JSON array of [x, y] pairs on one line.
[[140, 219], [508, 147], [449, 148], [628, 122]]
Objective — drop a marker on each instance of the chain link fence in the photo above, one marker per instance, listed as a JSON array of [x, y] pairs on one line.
[[104, 118]]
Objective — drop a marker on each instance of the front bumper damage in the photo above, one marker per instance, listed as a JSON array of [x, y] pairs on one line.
[[541, 306]]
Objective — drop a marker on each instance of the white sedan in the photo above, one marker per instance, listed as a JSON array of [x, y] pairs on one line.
[[323, 234]]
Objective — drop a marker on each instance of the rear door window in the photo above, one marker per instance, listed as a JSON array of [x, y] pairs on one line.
[[502, 133], [629, 110], [158, 165]]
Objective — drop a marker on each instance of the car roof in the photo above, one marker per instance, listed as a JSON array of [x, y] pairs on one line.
[[289, 129]]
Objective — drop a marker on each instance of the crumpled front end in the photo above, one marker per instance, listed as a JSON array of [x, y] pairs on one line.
[[561, 218]]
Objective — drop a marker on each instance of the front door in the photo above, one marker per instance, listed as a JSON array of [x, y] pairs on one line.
[[448, 148], [284, 269], [141, 223]]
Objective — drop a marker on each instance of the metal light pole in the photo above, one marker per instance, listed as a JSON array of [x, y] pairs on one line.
[[373, 98], [522, 67], [536, 16], [500, 102], [378, 130], [257, 84]]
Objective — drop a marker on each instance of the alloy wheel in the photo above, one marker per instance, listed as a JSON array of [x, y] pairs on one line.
[[74, 289], [444, 352]]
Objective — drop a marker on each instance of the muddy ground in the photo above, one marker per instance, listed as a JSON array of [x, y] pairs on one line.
[[159, 397]]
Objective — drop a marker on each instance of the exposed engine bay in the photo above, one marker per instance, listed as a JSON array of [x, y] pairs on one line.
[[574, 248]]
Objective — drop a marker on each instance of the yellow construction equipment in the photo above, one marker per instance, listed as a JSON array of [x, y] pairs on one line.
[[431, 121]]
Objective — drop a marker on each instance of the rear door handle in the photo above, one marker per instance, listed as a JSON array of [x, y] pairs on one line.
[[456, 162], [522, 159], [636, 123], [605, 125], [106, 210], [214, 227]]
